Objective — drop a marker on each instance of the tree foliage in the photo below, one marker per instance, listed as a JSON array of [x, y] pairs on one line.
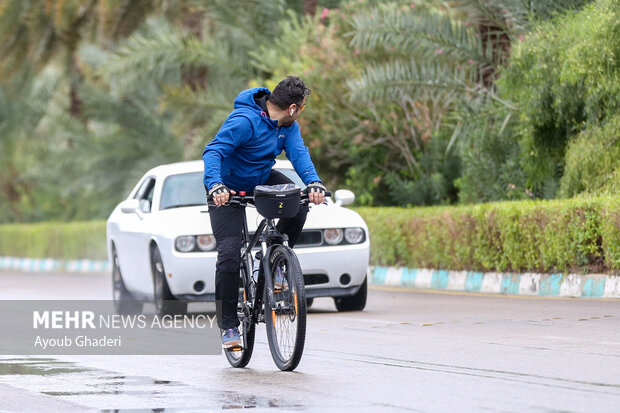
[[417, 102], [593, 161], [564, 76], [23, 105]]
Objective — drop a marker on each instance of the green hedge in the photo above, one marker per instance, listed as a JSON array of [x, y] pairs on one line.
[[538, 236], [581, 234], [54, 240]]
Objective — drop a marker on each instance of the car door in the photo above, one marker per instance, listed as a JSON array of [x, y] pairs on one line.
[[133, 242]]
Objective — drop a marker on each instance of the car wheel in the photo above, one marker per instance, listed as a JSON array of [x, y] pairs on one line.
[[165, 302], [355, 302], [124, 302], [309, 302]]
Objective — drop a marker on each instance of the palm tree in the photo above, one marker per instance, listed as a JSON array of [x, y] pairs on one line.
[[35, 32], [37, 35], [450, 46], [441, 55], [199, 71], [22, 107]]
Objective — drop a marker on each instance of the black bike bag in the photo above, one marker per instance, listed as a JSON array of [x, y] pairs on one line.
[[277, 201]]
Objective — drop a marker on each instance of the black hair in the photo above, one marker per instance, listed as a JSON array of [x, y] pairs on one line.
[[290, 90]]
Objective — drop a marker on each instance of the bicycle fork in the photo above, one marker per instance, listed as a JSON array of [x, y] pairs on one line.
[[266, 265], [270, 303]]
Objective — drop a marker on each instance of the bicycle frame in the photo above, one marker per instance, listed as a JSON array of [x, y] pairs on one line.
[[260, 301], [268, 236]]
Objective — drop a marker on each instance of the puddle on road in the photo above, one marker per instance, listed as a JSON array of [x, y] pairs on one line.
[[111, 392], [39, 367]]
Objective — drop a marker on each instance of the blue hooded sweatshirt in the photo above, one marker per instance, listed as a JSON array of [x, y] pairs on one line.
[[244, 150]]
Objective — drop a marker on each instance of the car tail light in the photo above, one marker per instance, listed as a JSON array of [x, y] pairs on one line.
[[333, 236], [354, 235], [205, 242], [185, 243]]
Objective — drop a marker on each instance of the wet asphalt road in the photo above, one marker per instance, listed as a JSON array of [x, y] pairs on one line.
[[409, 351]]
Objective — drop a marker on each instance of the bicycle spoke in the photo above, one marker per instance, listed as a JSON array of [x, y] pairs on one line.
[[285, 316]]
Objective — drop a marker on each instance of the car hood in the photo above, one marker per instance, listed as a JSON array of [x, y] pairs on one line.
[[195, 220], [183, 221], [333, 216]]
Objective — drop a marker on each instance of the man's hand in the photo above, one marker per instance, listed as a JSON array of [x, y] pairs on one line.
[[220, 194], [316, 192]]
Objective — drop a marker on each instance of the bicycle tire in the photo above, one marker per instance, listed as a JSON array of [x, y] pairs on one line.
[[247, 328], [286, 346]]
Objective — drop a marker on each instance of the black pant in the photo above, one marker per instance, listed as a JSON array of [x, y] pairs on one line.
[[227, 225]]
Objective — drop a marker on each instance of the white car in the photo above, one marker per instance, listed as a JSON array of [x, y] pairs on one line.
[[162, 248]]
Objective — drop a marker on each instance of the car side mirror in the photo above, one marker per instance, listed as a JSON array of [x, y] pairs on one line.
[[344, 197], [129, 206]]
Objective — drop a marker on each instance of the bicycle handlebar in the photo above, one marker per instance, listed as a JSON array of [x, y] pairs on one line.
[[249, 199]]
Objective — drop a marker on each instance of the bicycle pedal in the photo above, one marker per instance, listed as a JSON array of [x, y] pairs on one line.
[[234, 349]]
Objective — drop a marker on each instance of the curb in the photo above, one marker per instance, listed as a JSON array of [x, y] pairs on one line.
[[531, 284], [49, 265]]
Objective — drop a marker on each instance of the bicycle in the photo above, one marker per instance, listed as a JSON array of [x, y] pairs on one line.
[[281, 307]]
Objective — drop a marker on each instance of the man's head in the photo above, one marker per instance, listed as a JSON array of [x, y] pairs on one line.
[[290, 97], [291, 90]]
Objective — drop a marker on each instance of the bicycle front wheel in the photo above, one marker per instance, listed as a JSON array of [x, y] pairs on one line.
[[286, 323]]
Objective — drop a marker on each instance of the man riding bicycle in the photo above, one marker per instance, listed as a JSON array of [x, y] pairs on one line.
[[240, 157]]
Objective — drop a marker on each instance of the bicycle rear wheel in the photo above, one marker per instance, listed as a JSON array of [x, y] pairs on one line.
[[247, 328], [286, 324]]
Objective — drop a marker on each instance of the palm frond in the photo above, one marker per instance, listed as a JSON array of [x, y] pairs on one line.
[[160, 52], [509, 16], [153, 53], [11, 12], [267, 56], [425, 33], [255, 19], [410, 81], [184, 97], [88, 158], [119, 18]]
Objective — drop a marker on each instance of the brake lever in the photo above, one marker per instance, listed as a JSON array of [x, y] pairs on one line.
[[229, 202], [306, 200]]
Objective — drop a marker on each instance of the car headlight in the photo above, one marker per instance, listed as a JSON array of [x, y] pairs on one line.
[[354, 235], [185, 243], [333, 236], [205, 242]]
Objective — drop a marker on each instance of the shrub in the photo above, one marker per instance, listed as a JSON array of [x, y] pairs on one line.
[[580, 234], [72, 240], [490, 152], [610, 232]]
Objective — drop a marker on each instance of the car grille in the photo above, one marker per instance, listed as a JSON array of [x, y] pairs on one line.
[[310, 239], [311, 279]]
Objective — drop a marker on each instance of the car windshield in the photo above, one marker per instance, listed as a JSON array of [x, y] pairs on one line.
[[187, 189], [292, 175], [183, 190]]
